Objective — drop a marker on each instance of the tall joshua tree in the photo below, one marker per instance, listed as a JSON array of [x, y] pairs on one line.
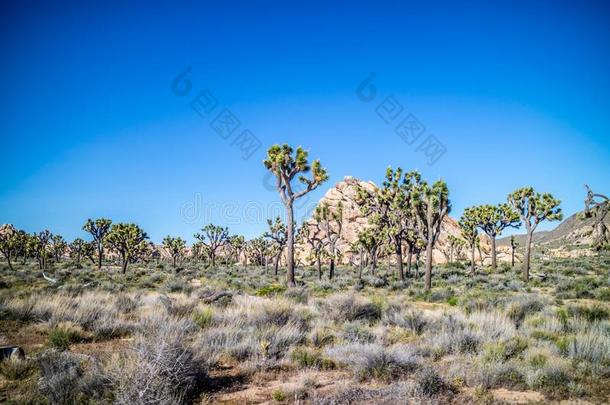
[[77, 248], [331, 222], [468, 227], [312, 234], [98, 230], [286, 166], [597, 207], [9, 240], [129, 241], [237, 243], [533, 208], [175, 247], [213, 238], [370, 241], [59, 247], [493, 219], [277, 233], [431, 204]]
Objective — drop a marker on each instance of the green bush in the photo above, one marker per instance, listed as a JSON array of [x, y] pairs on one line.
[[62, 337]]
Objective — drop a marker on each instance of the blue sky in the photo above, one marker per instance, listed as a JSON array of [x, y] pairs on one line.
[[517, 93]]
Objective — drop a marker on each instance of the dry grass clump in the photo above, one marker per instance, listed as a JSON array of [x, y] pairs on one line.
[[349, 307], [369, 361]]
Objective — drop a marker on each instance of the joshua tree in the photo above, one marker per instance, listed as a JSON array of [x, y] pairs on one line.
[[312, 234], [39, 244], [175, 247], [597, 207], [258, 249], [331, 223], [369, 240], [22, 246], [277, 233], [213, 238], [431, 205], [513, 248], [493, 219], [129, 241], [468, 226], [453, 248], [9, 239], [59, 246], [281, 162], [76, 249], [533, 208], [390, 208], [98, 230], [237, 243]]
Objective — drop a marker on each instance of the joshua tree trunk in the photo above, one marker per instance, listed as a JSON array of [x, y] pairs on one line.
[[494, 263], [125, 262], [401, 271], [526, 259], [100, 255], [513, 256], [8, 260], [472, 265], [331, 272], [290, 280], [213, 258], [361, 264], [429, 263], [277, 263], [409, 260], [319, 265]]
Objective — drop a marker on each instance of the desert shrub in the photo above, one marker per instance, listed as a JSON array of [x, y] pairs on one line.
[[551, 379], [321, 336], [204, 317], [356, 332], [64, 335], [299, 295], [160, 367], [492, 326], [368, 361], [307, 358], [67, 378], [270, 290], [125, 304], [591, 313], [349, 307], [592, 346], [498, 375], [16, 369], [412, 320], [429, 382], [523, 305]]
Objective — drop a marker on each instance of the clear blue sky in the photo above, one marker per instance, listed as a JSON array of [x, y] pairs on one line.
[[519, 94]]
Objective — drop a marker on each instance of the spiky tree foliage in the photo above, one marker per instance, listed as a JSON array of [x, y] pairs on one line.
[[597, 207], [278, 234], [214, 238], [431, 204], [258, 250], [59, 246], [390, 209], [312, 234], [129, 241], [469, 228], [533, 208], [237, 244], [453, 248], [22, 246], [175, 247], [98, 230], [286, 166], [370, 240], [39, 244], [513, 248], [493, 219], [9, 240], [77, 248], [331, 223]]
